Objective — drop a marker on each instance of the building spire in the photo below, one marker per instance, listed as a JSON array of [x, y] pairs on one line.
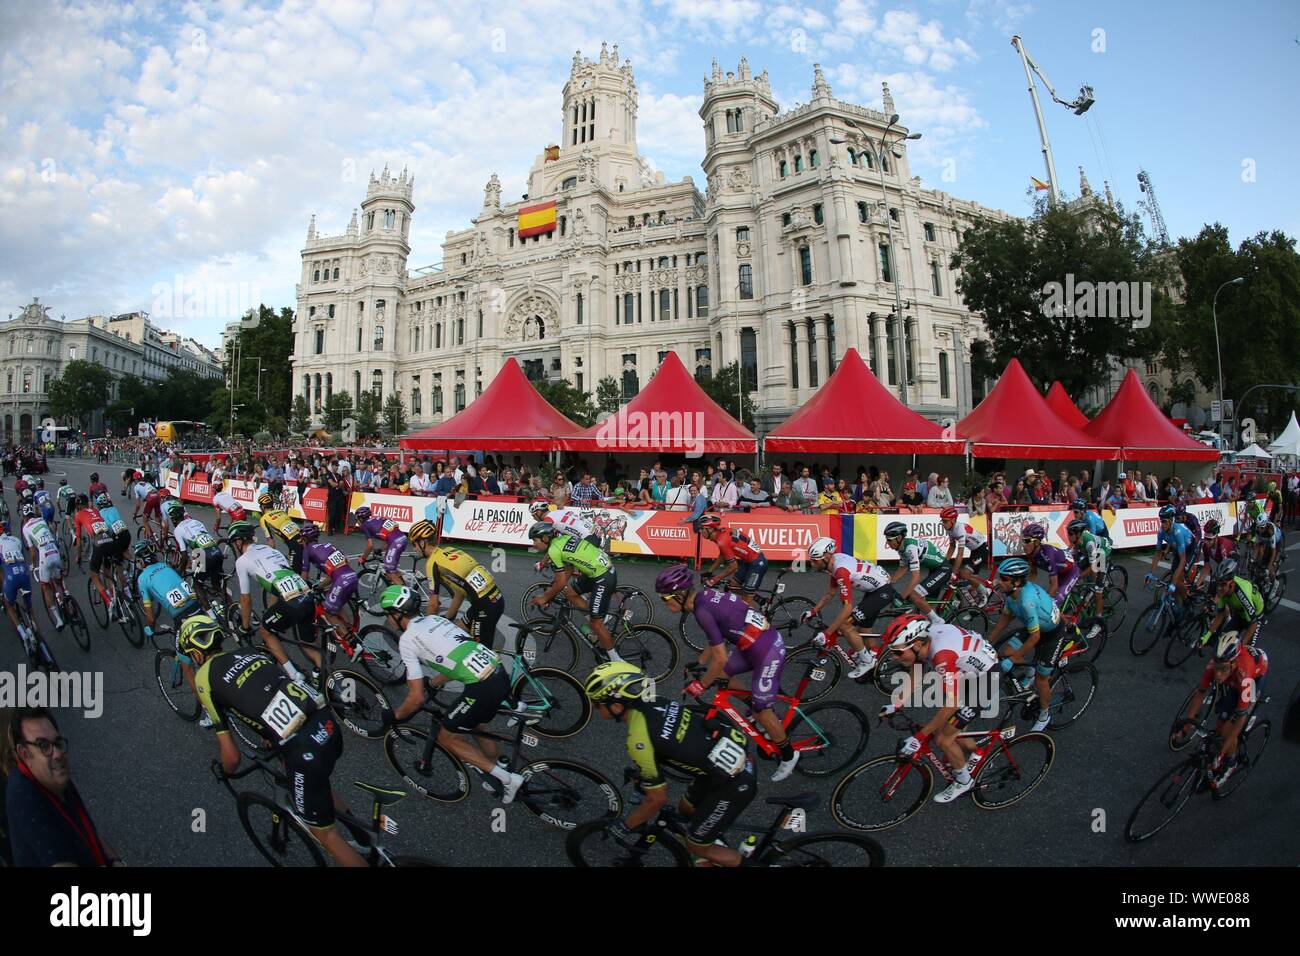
[[1085, 189], [889, 100], [820, 87], [311, 228]]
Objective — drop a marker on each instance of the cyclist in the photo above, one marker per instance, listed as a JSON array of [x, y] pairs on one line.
[[1062, 573], [206, 560], [91, 525], [1091, 555], [434, 645], [247, 685], [334, 565], [1268, 544], [387, 531], [1178, 539], [668, 732], [129, 476], [915, 556], [847, 576], [148, 499], [278, 526], [16, 579], [568, 520], [43, 549], [226, 505], [737, 555], [1034, 608], [958, 656], [1253, 508], [291, 602], [726, 619], [117, 528], [596, 576], [1238, 604], [66, 497], [1273, 496], [1192, 524], [45, 504], [1236, 676], [465, 579], [971, 550], [1096, 523], [1214, 551], [161, 587], [97, 487]]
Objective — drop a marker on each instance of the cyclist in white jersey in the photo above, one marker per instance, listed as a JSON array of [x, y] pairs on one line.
[[44, 551], [226, 505], [568, 520], [849, 577], [971, 550]]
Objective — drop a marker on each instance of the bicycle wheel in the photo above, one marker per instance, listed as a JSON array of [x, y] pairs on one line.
[[63, 552], [692, 635], [280, 838], [1183, 642], [1202, 717], [97, 607], [175, 689], [881, 793], [527, 609], [829, 736], [564, 793], [1148, 629], [1003, 778], [381, 655], [1114, 608], [549, 643], [45, 659], [972, 619], [131, 623], [588, 845], [557, 698], [628, 597], [77, 621], [1073, 689], [357, 701], [784, 615], [886, 672], [248, 741], [1256, 740], [370, 585], [814, 669], [1273, 595], [1164, 801], [650, 648], [444, 778], [1117, 577], [825, 849], [1095, 632]]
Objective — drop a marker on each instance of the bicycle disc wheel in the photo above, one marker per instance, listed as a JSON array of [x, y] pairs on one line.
[[526, 607], [280, 838], [77, 621], [564, 793], [815, 668], [825, 849], [381, 656], [1003, 777], [1072, 691], [97, 607], [881, 793], [175, 689], [784, 615], [557, 698], [1164, 801], [1147, 629], [1255, 741], [650, 648], [829, 736], [547, 644], [357, 701], [444, 778], [588, 845]]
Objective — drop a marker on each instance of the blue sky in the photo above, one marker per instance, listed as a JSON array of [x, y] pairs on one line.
[[149, 149]]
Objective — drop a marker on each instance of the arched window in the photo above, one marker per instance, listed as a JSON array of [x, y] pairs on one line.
[[460, 396], [390, 219], [783, 169], [812, 159], [864, 158], [853, 157], [435, 400], [798, 162], [336, 272], [415, 396], [884, 162]]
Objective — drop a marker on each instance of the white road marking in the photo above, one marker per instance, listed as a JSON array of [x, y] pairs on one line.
[[1289, 603]]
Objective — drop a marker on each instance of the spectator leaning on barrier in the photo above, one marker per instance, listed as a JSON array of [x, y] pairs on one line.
[[679, 495], [585, 493], [755, 495], [805, 487], [940, 494], [726, 494]]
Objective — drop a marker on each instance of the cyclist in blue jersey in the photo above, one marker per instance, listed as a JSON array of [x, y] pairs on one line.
[[1034, 608], [1177, 540], [1096, 523], [121, 534], [45, 503], [162, 588], [17, 578]]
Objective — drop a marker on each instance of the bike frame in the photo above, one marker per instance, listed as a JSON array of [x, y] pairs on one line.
[[996, 740], [722, 703]]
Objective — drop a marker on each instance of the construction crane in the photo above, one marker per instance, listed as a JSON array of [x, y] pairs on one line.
[[1080, 104], [1152, 207]]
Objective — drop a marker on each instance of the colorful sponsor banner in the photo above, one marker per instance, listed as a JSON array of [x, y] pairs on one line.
[[496, 522], [868, 534]]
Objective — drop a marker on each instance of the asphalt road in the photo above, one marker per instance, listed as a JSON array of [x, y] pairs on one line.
[[144, 773]]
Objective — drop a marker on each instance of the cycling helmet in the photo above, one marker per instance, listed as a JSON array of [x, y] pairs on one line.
[[1014, 568], [1077, 526], [240, 531], [1180, 509], [309, 531], [1078, 504], [616, 679], [176, 512], [1262, 524], [199, 633], [265, 500], [145, 551], [422, 530], [1228, 647], [398, 599], [708, 521], [540, 529], [1211, 527], [1033, 532], [102, 500], [28, 511], [1168, 513], [362, 513], [94, 476], [1226, 571], [822, 548], [62, 482], [895, 529], [539, 506], [906, 631], [28, 494], [40, 482], [948, 514], [676, 578]]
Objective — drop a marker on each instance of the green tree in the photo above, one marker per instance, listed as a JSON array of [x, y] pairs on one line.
[[80, 390], [722, 388], [338, 408], [568, 401], [609, 394], [270, 340], [1008, 267], [181, 394], [367, 415], [300, 419], [394, 415]]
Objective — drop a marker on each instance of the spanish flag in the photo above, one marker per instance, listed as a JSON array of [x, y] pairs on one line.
[[537, 219], [1039, 185]]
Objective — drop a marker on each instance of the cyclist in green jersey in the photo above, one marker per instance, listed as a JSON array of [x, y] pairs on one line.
[[914, 557], [290, 603], [440, 648], [1091, 553], [596, 576], [1239, 605]]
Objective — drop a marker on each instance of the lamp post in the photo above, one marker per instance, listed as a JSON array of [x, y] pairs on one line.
[[1214, 314]]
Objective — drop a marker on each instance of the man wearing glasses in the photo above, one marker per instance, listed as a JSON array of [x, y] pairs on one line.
[[49, 824]]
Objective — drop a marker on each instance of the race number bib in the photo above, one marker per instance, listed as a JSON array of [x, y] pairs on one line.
[[119, 526], [755, 620], [290, 586], [178, 597], [203, 540], [283, 716], [476, 580], [480, 663], [728, 756]]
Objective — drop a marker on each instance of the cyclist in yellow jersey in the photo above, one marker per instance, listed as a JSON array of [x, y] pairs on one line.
[[277, 525], [465, 578], [595, 576]]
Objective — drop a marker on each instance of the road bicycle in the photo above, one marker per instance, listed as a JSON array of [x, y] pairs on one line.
[[1159, 618], [1077, 612], [662, 842], [372, 581], [70, 609], [283, 839], [1072, 683], [374, 646], [782, 611], [557, 639], [889, 790], [120, 605], [626, 598], [1271, 585], [38, 651], [1184, 636]]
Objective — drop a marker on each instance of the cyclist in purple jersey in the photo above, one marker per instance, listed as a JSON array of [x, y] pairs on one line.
[[392, 536], [1062, 573], [726, 619], [334, 565]]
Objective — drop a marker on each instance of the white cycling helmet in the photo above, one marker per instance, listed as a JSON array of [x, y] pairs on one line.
[[1227, 648], [1262, 523], [906, 631], [821, 548]]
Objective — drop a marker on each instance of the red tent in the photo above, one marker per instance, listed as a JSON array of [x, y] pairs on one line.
[[1132, 421], [1015, 421], [671, 414], [1058, 400], [853, 412], [509, 415]]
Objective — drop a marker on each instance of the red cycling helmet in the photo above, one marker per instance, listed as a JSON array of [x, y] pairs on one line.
[[948, 514]]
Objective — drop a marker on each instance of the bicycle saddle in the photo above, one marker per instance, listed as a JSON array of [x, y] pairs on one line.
[[800, 801], [383, 795]]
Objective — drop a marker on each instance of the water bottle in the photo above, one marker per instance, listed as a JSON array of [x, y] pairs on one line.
[[749, 846]]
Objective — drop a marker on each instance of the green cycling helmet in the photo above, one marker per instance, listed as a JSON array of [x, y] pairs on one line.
[[398, 599]]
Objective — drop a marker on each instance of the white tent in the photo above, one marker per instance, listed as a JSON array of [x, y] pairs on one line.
[[1288, 443], [1253, 451]]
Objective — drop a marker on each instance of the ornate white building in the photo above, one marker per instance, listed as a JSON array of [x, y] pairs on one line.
[[782, 264]]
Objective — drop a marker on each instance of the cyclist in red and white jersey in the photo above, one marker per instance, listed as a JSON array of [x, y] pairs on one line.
[[225, 504], [567, 520], [971, 550], [959, 657], [848, 576], [737, 556], [147, 497]]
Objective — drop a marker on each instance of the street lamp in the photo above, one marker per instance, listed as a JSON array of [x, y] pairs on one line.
[[233, 408], [1214, 314]]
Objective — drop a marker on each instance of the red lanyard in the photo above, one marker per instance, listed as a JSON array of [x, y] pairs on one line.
[[85, 830]]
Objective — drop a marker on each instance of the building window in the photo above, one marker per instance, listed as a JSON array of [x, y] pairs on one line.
[[379, 338], [702, 301], [884, 162], [944, 387], [377, 384], [812, 159], [935, 286], [480, 323], [331, 311], [805, 265], [891, 341], [9, 387], [315, 276], [320, 341], [746, 282], [742, 234], [435, 400], [72, 353], [893, 213], [783, 169], [929, 232], [390, 219], [818, 217], [853, 157], [630, 383], [703, 365], [794, 356], [579, 304], [663, 262], [627, 308], [336, 272], [886, 270], [1152, 366], [864, 159], [785, 219], [460, 396], [862, 212], [830, 344], [664, 306], [437, 335], [415, 395], [569, 183], [798, 162]]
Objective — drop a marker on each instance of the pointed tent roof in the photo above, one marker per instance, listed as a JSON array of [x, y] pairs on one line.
[[671, 414], [1015, 421], [1287, 443], [510, 415], [1253, 451], [1132, 421], [853, 412], [1058, 400]]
